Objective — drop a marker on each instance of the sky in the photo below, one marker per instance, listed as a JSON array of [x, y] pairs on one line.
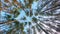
[[22, 14]]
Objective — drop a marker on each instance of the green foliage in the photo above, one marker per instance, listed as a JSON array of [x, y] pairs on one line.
[[8, 16], [21, 26], [16, 24], [29, 23], [25, 23], [29, 4], [31, 13], [27, 13], [39, 11], [24, 18], [34, 19], [10, 31], [16, 12]]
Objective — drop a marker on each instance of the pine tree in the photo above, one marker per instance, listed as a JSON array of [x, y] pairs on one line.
[[23, 17]]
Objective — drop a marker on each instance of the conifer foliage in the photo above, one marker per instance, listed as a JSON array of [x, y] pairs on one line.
[[29, 16]]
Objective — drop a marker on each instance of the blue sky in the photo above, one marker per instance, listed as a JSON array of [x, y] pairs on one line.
[[22, 14]]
